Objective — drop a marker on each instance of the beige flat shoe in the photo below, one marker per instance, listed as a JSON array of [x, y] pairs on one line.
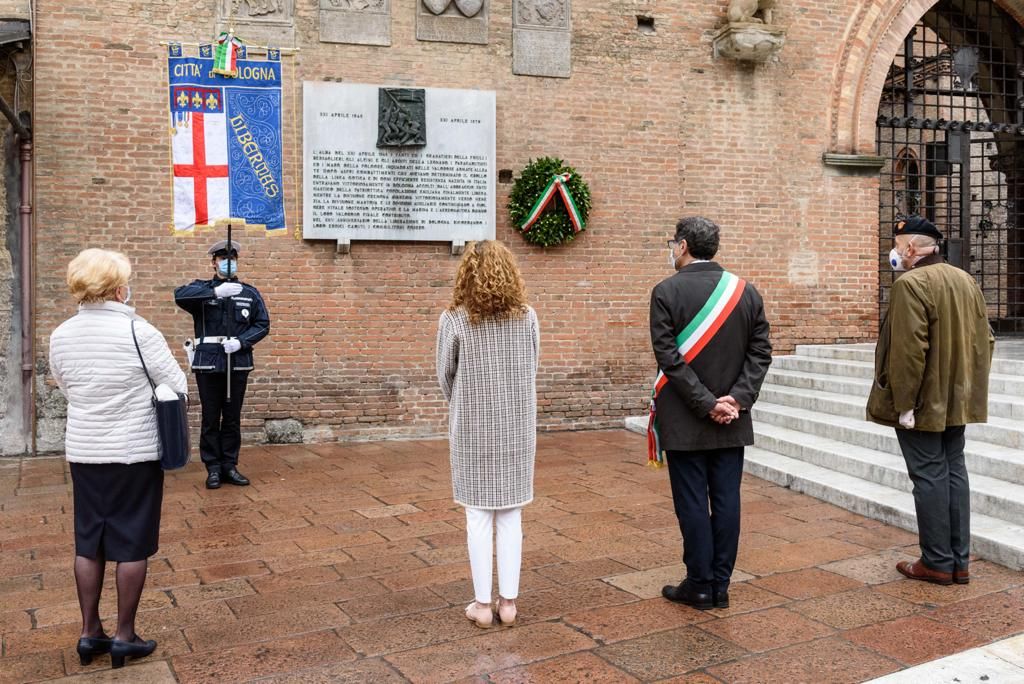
[[480, 615], [507, 612]]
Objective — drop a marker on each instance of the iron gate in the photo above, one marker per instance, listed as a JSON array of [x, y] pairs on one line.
[[951, 126]]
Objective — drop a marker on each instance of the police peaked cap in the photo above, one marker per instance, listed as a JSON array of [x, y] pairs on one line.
[[916, 225], [221, 248]]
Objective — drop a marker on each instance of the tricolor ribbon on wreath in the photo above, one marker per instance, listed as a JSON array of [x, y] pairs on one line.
[[693, 339], [558, 185], [227, 53]]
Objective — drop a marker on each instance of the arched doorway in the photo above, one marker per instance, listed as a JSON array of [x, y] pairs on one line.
[[951, 125]]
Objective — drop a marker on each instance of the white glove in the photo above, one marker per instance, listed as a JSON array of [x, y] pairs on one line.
[[231, 346], [227, 290], [907, 419]]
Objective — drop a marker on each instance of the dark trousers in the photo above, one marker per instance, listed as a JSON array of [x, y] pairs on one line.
[[221, 434], [702, 480], [942, 495]]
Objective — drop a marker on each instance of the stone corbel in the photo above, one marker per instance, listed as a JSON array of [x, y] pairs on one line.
[[748, 41]]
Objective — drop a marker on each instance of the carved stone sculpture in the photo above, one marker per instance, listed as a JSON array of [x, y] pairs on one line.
[[257, 8], [750, 35], [745, 11], [452, 21], [259, 21], [401, 117]]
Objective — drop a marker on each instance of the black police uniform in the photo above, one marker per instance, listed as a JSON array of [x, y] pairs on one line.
[[244, 317]]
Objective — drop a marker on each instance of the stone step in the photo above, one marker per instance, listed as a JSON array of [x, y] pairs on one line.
[[865, 353], [991, 538], [848, 397], [990, 496], [864, 370], [816, 381], [998, 431]]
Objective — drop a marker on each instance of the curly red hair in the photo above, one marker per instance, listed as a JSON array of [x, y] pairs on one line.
[[488, 283]]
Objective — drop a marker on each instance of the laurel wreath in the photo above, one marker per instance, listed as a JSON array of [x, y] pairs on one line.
[[554, 227]]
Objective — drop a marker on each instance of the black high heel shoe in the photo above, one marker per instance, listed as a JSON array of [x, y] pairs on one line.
[[92, 646], [119, 650]]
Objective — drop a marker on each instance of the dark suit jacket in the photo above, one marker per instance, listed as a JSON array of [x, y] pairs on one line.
[[734, 362]]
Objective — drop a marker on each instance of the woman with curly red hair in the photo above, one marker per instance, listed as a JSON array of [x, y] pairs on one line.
[[488, 343]]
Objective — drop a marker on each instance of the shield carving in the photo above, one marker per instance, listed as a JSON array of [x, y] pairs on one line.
[[437, 6], [469, 8]]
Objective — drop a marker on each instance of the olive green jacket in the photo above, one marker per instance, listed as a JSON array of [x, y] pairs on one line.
[[934, 350]]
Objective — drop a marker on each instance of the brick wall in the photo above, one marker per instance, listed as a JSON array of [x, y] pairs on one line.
[[656, 126]]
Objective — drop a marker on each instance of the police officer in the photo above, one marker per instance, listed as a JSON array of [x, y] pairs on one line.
[[230, 317]]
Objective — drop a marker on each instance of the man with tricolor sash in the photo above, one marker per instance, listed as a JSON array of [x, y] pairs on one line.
[[710, 339]]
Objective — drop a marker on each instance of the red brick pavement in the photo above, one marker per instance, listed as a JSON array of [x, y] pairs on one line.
[[346, 563]]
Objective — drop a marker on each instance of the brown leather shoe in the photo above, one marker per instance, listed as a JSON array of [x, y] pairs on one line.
[[919, 571], [961, 576]]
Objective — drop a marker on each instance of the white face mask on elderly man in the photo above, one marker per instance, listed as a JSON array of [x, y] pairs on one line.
[[896, 260]]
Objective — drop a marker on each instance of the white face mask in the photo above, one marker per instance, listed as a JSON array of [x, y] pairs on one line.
[[896, 260], [672, 257], [128, 296]]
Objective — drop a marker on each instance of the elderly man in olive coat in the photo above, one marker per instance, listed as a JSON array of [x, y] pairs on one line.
[[932, 365]]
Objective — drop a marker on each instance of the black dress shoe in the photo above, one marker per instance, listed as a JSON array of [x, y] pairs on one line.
[[720, 598], [92, 646], [232, 476], [213, 479], [690, 594], [137, 648]]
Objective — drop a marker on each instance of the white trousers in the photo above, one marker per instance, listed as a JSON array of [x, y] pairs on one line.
[[480, 528]]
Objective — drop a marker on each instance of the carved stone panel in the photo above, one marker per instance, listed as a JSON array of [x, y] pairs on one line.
[[259, 21], [542, 38], [452, 21], [401, 117], [548, 14], [360, 22]]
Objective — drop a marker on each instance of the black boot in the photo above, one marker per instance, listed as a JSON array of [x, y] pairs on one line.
[[92, 646], [137, 648], [720, 597], [213, 479], [691, 594], [232, 476]]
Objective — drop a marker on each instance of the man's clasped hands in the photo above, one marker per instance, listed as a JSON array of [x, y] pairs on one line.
[[725, 411]]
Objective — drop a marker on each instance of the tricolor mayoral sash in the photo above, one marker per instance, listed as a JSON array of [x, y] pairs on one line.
[[691, 342]]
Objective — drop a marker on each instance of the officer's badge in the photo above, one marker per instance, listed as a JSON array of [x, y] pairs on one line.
[[245, 313]]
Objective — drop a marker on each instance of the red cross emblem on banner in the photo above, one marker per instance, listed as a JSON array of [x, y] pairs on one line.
[[199, 171]]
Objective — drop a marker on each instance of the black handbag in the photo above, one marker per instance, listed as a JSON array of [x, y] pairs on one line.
[[171, 422]]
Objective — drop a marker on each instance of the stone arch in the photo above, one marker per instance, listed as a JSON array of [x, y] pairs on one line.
[[870, 43]]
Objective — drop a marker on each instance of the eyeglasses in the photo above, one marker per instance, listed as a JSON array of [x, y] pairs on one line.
[[672, 244]]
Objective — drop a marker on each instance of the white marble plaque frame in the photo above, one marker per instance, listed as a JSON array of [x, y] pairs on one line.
[[353, 190]]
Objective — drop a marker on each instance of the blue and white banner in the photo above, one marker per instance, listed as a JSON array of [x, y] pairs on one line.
[[226, 141]]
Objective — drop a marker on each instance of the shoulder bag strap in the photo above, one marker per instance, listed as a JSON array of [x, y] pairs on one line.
[[145, 370]]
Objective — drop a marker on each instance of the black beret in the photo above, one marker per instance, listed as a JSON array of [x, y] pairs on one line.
[[916, 225]]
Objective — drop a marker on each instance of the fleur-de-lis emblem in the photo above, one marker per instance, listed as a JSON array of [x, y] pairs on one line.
[[183, 99], [197, 101], [211, 101]]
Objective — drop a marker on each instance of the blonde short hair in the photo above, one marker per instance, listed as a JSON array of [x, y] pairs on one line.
[[95, 274]]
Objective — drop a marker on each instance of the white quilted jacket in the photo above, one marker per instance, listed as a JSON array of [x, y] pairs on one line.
[[93, 360]]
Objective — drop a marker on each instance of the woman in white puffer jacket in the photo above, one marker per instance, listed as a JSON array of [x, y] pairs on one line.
[[111, 443]]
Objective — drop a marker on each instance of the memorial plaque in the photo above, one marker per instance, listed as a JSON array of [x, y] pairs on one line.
[[354, 190], [452, 21], [360, 22], [542, 38], [264, 21]]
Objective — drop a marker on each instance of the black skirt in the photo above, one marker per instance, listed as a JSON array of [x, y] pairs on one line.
[[117, 509]]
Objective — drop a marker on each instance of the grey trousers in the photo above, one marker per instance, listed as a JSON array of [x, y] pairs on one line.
[[942, 495]]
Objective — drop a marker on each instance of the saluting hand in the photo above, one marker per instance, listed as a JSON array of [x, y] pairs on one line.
[[227, 290]]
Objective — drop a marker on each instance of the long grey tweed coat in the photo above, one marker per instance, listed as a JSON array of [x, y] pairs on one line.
[[488, 373]]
